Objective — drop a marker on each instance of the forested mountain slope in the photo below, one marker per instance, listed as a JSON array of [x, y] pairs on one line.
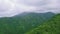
[[23, 23], [50, 27]]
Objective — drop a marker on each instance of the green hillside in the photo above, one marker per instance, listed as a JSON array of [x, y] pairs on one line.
[[50, 27], [21, 24]]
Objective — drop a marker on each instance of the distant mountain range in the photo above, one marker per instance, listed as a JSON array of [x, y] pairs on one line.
[[23, 23]]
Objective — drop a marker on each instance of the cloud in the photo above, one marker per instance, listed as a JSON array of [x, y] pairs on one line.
[[12, 7]]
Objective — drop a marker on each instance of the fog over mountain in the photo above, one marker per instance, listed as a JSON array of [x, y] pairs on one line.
[[12, 7]]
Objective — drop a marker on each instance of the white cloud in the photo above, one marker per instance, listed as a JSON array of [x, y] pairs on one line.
[[13, 7]]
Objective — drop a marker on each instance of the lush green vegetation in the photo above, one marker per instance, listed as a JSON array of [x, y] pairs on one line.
[[24, 23], [50, 27]]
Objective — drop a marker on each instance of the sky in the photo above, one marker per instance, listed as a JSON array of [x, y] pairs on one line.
[[10, 8]]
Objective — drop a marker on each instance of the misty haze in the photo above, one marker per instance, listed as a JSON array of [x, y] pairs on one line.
[[29, 16]]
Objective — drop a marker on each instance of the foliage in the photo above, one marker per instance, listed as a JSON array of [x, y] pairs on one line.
[[22, 24], [50, 27]]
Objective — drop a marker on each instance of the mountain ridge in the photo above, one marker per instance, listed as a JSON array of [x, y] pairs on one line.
[[21, 24], [52, 26]]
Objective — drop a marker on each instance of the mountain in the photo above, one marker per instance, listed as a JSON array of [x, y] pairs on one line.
[[23, 23], [52, 26]]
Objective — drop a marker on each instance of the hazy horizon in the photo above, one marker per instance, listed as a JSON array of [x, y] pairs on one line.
[[14, 7]]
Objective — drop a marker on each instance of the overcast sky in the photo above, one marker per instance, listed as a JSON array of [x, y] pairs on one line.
[[13, 7]]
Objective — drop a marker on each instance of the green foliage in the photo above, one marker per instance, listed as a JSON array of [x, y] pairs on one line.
[[20, 25], [50, 27]]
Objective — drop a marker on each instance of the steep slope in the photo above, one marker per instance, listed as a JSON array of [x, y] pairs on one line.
[[50, 27], [23, 23]]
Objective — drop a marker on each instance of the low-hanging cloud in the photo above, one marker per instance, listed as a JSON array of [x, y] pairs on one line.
[[12, 7]]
